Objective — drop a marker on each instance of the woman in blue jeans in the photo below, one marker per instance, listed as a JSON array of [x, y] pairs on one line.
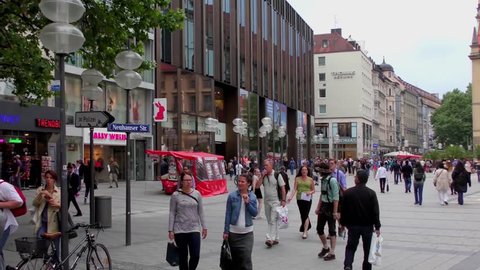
[[419, 178], [186, 221]]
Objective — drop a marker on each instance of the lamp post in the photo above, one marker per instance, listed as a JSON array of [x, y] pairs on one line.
[[317, 140], [336, 140], [299, 135], [128, 79], [264, 130], [62, 38], [281, 134], [91, 78], [211, 125], [241, 128]]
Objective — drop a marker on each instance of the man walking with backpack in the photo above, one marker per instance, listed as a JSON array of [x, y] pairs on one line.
[[274, 196], [9, 199], [327, 211]]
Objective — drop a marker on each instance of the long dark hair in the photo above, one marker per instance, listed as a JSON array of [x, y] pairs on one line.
[[299, 173], [419, 167]]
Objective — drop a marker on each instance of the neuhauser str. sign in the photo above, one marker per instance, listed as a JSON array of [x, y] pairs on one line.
[[343, 74]]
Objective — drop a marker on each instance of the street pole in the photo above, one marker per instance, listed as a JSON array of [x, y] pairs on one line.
[[128, 216], [61, 162], [92, 175]]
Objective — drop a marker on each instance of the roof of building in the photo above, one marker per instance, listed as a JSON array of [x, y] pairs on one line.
[[385, 67], [334, 43]]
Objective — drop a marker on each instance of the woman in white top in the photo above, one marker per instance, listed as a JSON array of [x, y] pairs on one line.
[[442, 181]]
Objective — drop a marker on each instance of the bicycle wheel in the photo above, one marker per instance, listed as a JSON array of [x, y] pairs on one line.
[[33, 264], [99, 258]]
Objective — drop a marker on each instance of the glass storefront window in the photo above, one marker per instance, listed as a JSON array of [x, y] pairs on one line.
[[73, 101], [116, 100]]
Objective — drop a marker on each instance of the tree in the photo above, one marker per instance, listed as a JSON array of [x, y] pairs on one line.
[[452, 122], [108, 26]]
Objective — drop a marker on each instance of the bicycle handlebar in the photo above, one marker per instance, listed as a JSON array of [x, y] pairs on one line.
[[87, 226]]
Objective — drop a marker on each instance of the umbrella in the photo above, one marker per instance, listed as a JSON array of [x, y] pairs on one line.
[[396, 153], [408, 156], [402, 155]]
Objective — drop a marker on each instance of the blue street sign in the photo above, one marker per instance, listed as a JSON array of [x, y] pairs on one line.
[[375, 145], [129, 128]]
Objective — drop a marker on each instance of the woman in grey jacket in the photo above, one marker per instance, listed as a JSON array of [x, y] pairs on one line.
[[186, 221], [241, 208]]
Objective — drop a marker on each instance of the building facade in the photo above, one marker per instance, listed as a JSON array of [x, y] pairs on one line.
[[344, 97], [236, 59], [475, 57]]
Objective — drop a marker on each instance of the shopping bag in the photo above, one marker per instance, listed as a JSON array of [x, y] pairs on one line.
[[388, 188], [375, 254], [172, 254], [282, 217], [225, 256]]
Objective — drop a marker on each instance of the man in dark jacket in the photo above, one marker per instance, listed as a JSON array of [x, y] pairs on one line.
[[73, 181], [407, 172], [361, 215]]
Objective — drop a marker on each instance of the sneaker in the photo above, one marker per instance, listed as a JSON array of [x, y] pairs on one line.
[[275, 242], [347, 268], [323, 252], [446, 203], [268, 243], [329, 257]]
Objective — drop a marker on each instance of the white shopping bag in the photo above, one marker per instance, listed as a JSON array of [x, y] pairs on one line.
[[375, 254], [282, 217]]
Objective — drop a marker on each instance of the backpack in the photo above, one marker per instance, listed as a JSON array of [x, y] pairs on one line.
[[22, 210], [279, 189], [418, 176]]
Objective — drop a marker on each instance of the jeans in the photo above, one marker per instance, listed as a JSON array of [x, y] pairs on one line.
[[3, 240], [397, 177], [188, 242], [418, 192], [460, 198], [408, 184], [354, 233], [382, 184]]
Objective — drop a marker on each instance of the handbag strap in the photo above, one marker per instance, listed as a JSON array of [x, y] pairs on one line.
[[188, 195]]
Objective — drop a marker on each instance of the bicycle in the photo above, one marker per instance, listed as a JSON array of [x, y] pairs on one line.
[[40, 254]]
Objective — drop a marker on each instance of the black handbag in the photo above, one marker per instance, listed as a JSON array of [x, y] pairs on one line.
[[172, 254], [226, 260]]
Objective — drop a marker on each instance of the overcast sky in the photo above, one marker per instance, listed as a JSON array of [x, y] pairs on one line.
[[426, 41]]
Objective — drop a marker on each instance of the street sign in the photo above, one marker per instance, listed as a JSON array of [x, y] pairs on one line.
[[93, 119], [129, 128], [375, 145]]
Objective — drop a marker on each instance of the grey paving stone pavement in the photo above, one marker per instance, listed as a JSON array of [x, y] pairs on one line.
[[416, 237]]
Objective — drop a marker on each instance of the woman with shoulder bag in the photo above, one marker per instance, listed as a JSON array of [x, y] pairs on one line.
[[461, 177], [238, 229], [442, 181], [186, 221]]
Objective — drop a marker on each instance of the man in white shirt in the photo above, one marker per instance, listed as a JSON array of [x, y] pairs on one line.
[[382, 176], [9, 199], [271, 183]]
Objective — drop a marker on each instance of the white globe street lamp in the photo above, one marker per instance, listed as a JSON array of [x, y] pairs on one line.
[[62, 38], [241, 128], [91, 78], [128, 79]]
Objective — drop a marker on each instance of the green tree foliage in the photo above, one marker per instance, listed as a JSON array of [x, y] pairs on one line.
[[108, 26], [452, 122]]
